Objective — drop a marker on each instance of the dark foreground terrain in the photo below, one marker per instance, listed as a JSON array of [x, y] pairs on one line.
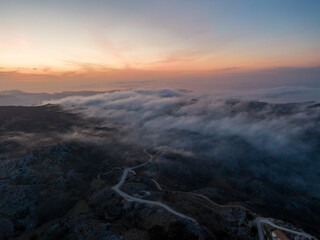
[[58, 169]]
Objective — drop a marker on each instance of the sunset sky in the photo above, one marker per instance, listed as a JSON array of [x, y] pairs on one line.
[[94, 45]]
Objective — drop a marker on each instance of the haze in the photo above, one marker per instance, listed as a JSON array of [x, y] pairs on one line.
[[199, 45], [160, 119]]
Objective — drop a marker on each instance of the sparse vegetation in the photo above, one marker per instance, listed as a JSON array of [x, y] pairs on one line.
[[176, 231], [55, 185]]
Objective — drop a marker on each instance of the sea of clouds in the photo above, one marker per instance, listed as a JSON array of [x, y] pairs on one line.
[[279, 142]]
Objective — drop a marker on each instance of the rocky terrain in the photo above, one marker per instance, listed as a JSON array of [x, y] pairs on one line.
[[53, 184], [58, 169]]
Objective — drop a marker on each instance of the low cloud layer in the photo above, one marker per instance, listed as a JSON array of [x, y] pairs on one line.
[[19, 98], [278, 142]]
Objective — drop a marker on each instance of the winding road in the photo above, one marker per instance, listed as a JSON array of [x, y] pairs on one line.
[[155, 203], [258, 220], [213, 203]]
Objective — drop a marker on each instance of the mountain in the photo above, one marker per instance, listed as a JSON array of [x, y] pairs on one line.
[[159, 164], [16, 97]]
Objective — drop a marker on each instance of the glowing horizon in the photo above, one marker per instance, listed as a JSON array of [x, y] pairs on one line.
[[110, 40]]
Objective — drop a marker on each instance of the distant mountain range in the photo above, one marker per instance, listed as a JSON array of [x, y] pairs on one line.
[[16, 97]]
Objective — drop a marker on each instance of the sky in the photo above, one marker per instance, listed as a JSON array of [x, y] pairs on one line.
[[205, 44]]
